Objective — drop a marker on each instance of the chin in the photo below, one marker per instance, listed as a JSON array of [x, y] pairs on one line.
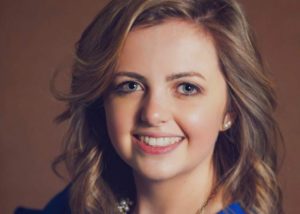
[[155, 176], [154, 172]]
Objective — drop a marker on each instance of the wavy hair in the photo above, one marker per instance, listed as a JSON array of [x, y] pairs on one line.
[[245, 156]]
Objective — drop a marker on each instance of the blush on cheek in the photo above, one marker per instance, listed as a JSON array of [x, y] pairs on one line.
[[120, 121], [201, 126]]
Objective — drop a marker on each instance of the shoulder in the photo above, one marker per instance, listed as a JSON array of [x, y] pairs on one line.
[[234, 208], [59, 204]]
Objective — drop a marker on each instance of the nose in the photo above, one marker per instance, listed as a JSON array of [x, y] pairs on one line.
[[155, 110]]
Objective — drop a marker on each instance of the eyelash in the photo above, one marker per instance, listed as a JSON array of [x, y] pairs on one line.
[[120, 87], [121, 90], [196, 90]]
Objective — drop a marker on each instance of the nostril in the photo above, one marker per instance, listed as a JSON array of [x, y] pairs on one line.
[[154, 110]]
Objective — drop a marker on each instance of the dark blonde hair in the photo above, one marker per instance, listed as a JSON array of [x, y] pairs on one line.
[[245, 156]]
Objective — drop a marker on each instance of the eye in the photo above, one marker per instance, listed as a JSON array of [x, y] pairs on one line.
[[128, 87], [188, 89]]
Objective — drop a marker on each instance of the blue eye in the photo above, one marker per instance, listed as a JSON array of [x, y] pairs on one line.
[[128, 86], [188, 89]]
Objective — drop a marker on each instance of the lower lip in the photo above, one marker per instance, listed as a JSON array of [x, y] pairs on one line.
[[155, 150]]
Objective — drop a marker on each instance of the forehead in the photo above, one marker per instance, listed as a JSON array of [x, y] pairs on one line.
[[175, 45], [171, 31]]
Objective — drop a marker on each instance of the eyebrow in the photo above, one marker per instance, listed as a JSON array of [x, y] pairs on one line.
[[168, 78], [184, 74], [130, 74]]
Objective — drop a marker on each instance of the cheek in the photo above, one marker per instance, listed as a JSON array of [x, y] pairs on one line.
[[118, 116], [201, 124]]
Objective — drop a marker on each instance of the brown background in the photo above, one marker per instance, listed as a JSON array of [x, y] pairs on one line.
[[36, 37]]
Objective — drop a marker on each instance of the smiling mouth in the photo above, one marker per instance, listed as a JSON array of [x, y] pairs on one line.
[[159, 141]]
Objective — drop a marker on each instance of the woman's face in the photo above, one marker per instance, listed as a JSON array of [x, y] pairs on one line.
[[168, 100]]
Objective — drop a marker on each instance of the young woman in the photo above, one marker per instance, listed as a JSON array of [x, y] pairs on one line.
[[170, 111]]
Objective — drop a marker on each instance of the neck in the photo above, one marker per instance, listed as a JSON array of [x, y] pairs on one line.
[[179, 194]]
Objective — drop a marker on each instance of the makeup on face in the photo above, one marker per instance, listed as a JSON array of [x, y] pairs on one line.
[[167, 100]]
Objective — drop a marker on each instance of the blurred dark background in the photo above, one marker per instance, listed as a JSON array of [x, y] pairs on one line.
[[37, 37]]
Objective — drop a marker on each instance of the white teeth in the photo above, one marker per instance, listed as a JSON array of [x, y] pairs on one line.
[[160, 141]]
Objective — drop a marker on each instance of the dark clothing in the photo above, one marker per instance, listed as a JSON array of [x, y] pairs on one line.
[[59, 205]]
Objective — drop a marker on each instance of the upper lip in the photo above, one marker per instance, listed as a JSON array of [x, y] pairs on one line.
[[156, 134]]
